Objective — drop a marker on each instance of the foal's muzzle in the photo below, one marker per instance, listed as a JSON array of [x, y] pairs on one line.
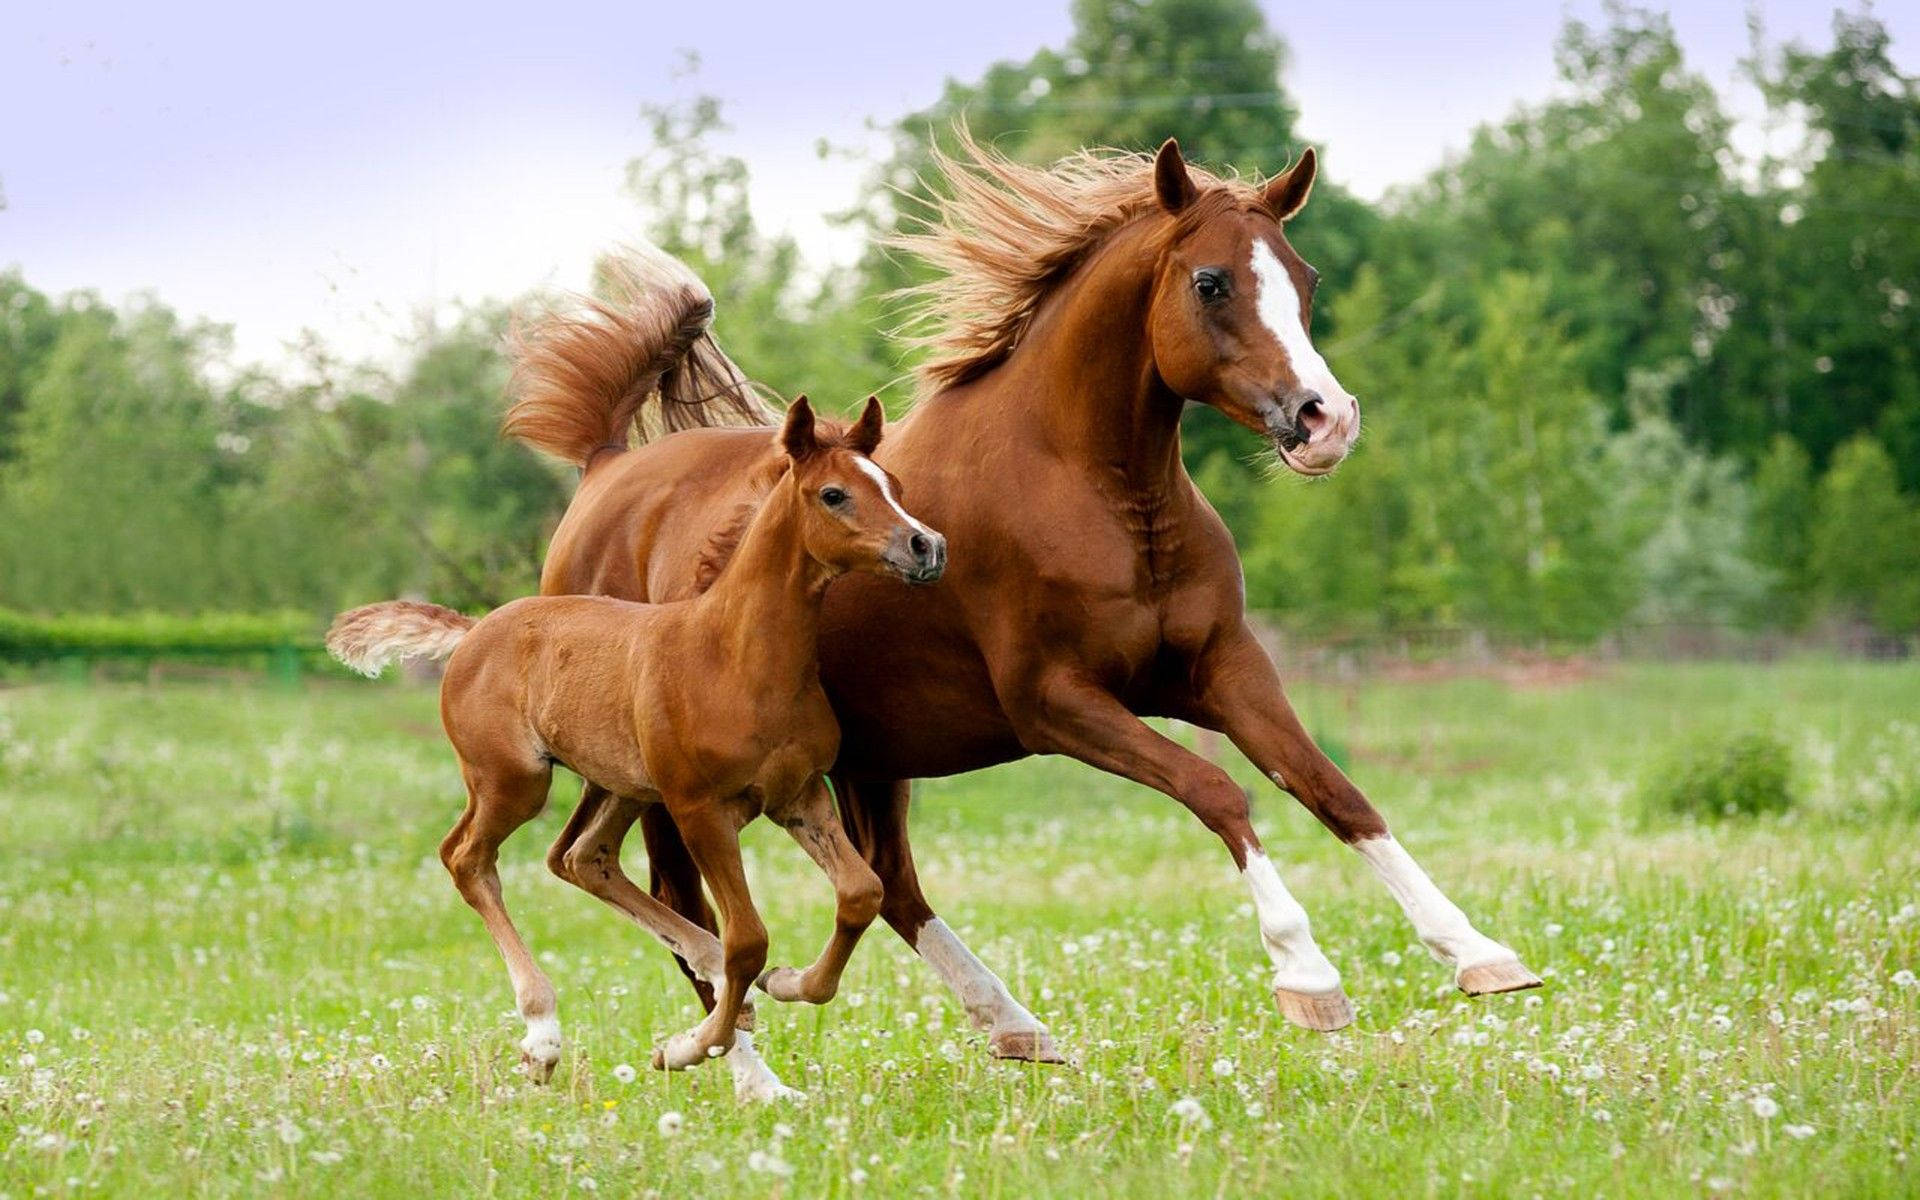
[[918, 556]]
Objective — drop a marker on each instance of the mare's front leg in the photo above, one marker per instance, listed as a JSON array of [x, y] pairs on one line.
[[857, 893], [875, 815], [1068, 715], [1237, 691]]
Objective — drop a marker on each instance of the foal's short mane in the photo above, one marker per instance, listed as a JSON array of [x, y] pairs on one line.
[[1005, 235], [720, 545]]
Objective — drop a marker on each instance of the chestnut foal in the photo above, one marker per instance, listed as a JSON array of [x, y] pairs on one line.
[[711, 707]]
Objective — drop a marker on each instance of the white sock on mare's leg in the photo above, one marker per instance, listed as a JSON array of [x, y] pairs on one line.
[[1437, 920], [1298, 964], [1012, 1031]]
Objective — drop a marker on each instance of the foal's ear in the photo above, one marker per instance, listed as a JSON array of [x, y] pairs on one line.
[[796, 437], [865, 434], [1287, 192], [1170, 179]]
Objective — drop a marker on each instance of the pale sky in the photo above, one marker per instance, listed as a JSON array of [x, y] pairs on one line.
[[340, 168]]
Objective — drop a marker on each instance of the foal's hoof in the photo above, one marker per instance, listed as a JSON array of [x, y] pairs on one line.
[[1492, 978], [1025, 1045], [1322, 1012], [785, 984]]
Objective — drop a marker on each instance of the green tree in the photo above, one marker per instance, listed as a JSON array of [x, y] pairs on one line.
[[1864, 538], [1782, 530]]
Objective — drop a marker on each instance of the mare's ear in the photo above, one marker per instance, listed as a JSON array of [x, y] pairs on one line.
[[865, 434], [796, 436], [1287, 192], [1170, 179]]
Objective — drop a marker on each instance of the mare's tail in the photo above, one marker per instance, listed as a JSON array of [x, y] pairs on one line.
[[582, 376], [369, 638]]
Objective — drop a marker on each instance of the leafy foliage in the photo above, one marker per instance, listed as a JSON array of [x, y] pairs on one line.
[[1712, 777], [1614, 369]]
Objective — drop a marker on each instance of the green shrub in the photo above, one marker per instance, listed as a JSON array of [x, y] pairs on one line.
[[1723, 776]]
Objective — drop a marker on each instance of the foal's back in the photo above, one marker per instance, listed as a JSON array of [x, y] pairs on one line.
[[564, 679]]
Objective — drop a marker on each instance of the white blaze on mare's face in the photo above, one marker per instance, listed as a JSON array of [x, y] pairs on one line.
[[1298, 964], [1278, 303], [879, 477], [1437, 920]]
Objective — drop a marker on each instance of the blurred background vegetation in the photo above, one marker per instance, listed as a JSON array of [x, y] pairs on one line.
[[1617, 373]]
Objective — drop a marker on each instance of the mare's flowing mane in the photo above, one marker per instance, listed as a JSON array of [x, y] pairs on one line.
[[1002, 236]]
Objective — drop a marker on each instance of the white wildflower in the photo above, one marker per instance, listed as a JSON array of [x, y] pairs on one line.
[[1765, 1107], [1223, 1067], [1799, 1132], [625, 1073], [1190, 1112], [671, 1123]]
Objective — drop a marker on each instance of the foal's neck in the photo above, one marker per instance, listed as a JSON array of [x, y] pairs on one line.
[[1083, 376], [765, 606]]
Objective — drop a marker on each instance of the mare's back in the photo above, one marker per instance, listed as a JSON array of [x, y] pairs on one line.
[[642, 517]]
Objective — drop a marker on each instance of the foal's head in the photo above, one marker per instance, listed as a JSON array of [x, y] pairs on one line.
[[1230, 311], [851, 518]]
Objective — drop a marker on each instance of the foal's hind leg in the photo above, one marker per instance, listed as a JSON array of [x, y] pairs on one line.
[[497, 804], [857, 892]]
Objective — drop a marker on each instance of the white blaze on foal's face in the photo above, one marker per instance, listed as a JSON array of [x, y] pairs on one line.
[[1278, 303]]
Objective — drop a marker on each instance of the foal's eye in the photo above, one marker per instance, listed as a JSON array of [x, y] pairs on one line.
[[1212, 285], [1313, 281], [833, 497]]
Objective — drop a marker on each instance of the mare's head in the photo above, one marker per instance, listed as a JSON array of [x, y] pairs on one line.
[[1231, 306], [850, 513]]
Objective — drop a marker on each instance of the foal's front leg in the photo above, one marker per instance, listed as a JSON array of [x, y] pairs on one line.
[[1237, 691], [712, 832], [1071, 716], [857, 893]]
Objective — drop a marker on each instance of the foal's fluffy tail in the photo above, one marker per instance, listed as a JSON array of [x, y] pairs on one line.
[[582, 376], [370, 637]]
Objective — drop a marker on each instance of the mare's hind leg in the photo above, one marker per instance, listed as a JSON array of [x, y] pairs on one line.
[[857, 894], [587, 855], [500, 801], [875, 813]]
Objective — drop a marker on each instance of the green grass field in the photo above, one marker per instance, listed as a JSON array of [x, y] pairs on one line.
[[230, 964]]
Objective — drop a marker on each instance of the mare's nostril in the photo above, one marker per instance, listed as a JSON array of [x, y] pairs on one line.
[[1312, 417], [921, 545]]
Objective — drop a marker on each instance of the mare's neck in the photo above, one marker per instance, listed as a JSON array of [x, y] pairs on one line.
[[1082, 379], [765, 606]]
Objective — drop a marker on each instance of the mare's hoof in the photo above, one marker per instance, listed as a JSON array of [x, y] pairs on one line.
[[1492, 978], [1025, 1045], [539, 1070], [1322, 1012]]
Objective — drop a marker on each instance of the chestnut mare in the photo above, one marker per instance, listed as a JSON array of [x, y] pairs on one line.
[[1082, 307], [710, 710]]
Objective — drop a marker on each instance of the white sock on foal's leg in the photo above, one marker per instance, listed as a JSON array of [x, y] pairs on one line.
[[753, 1079], [1305, 984], [1480, 964], [1012, 1031]]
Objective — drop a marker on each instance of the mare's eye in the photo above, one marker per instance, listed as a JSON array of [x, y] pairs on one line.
[[1212, 285], [833, 497], [1313, 281]]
